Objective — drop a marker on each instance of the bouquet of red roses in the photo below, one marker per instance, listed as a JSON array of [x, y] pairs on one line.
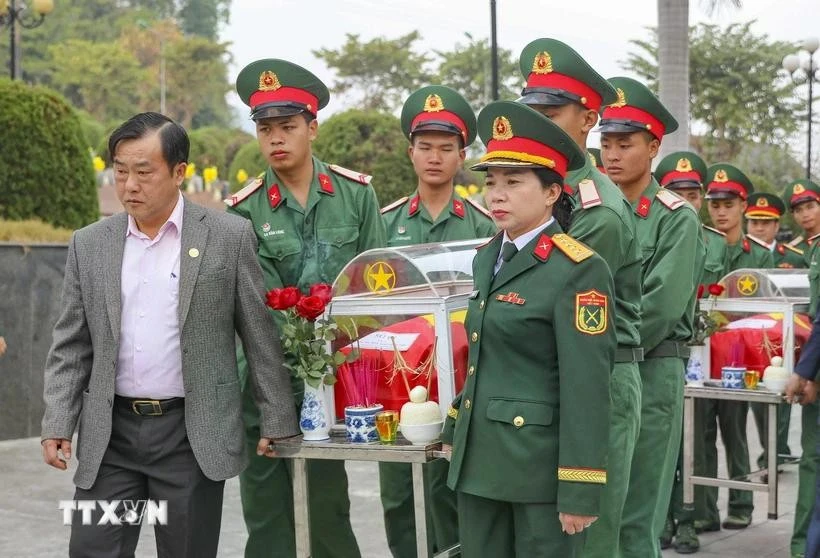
[[706, 322], [305, 336]]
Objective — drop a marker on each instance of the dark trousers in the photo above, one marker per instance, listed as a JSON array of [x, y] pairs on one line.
[[150, 458], [813, 537]]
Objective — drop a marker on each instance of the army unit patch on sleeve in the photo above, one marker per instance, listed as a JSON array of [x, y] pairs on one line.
[[591, 309]]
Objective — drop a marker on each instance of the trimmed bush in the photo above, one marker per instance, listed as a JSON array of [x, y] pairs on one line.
[[45, 167], [32, 230], [371, 143], [248, 158]]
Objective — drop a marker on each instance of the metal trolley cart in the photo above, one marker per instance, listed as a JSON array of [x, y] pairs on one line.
[[779, 294]]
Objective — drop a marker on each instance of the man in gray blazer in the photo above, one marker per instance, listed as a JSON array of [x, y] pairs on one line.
[[143, 359]]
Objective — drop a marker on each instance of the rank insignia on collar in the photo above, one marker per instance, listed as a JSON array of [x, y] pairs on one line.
[[274, 196], [591, 312], [543, 248], [512, 298], [458, 209], [643, 207], [414, 206], [746, 246], [325, 184]]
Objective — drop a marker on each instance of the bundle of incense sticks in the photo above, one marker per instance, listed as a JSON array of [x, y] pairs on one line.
[[359, 379]]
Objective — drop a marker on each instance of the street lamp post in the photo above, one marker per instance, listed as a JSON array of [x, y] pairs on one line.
[[11, 14], [796, 65]]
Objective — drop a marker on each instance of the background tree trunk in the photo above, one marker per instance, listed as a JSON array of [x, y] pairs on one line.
[[673, 74]]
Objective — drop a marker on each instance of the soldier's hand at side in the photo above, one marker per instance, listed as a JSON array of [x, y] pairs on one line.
[[572, 524], [795, 388], [2, 345], [51, 446], [809, 393], [448, 449]]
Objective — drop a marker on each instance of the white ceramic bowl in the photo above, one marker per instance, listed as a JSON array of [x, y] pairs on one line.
[[776, 385], [421, 433]]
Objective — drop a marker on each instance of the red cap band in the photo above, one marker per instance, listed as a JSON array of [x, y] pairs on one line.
[[442, 116], [285, 94], [591, 98], [654, 126], [678, 176], [527, 150], [728, 186], [806, 195], [756, 212]]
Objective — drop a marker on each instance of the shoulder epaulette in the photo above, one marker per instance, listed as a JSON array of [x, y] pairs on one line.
[[813, 238], [573, 249], [589, 194], [480, 246], [481, 209], [670, 199], [352, 175], [795, 241], [398, 203], [792, 249], [757, 241], [245, 192], [708, 228]]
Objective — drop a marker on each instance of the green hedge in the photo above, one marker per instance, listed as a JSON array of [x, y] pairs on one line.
[[45, 167], [371, 143], [249, 158]]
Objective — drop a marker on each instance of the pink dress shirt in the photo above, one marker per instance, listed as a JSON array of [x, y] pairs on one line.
[[150, 362]]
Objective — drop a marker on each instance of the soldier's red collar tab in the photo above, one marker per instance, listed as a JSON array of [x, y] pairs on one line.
[[326, 184], [747, 247], [812, 239], [457, 208], [274, 196], [781, 250], [543, 248], [413, 207], [644, 204]]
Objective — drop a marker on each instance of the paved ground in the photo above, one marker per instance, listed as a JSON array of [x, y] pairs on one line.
[[31, 525]]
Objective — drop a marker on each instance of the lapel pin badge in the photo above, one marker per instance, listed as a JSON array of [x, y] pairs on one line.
[[193, 252]]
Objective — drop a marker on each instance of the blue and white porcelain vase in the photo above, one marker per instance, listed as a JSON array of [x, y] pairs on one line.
[[694, 366], [360, 423], [314, 420]]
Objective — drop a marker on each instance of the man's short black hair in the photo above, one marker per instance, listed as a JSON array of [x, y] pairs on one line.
[[175, 143]]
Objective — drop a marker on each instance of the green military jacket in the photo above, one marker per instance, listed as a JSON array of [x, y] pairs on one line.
[[787, 256], [301, 246], [714, 266], [408, 222], [669, 231], [532, 422], [603, 220], [748, 253], [813, 260]]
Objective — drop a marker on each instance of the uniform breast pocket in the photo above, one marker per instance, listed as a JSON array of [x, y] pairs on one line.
[[337, 245], [278, 249]]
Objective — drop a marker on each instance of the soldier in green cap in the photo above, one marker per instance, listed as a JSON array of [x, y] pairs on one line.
[[803, 199], [669, 233], [684, 172], [565, 89], [727, 193], [311, 219], [763, 213], [536, 412], [440, 125]]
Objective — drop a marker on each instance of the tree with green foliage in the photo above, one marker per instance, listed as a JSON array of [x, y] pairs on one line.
[[45, 167], [380, 73], [737, 103], [372, 143], [248, 159], [202, 17], [467, 69]]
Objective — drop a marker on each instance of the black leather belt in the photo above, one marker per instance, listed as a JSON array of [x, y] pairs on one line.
[[149, 407], [628, 354], [668, 348]]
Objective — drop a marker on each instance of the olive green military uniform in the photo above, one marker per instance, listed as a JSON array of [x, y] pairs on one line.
[[728, 181], [299, 246], [800, 191], [668, 233], [535, 404], [556, 75], [407, 221]]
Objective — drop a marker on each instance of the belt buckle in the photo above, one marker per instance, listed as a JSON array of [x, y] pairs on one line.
[[156, 408]]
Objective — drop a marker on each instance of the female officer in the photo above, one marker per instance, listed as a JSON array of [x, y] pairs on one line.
[[529, 430]]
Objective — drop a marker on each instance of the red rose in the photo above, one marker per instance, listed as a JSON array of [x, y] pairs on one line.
[[715, 289], [282, 299], [701, 288], [310, 307], [323, 291]]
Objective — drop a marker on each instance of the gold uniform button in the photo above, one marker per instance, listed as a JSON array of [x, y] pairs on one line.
[[467, 404], [471, 371], [518, 421], [474, 337], [481, 305]]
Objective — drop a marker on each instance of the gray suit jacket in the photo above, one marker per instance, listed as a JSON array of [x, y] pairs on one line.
[[221, 292]]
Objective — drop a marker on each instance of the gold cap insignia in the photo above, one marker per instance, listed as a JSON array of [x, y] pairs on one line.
[[621, 99], [502, 130], [798, 189], [762, 202], [542, 64], [433, 103], [684, 165], [721, 176], [268, 81]]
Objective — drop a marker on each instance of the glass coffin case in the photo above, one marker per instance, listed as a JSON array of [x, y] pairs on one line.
[[761, 313], [402, 310]]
